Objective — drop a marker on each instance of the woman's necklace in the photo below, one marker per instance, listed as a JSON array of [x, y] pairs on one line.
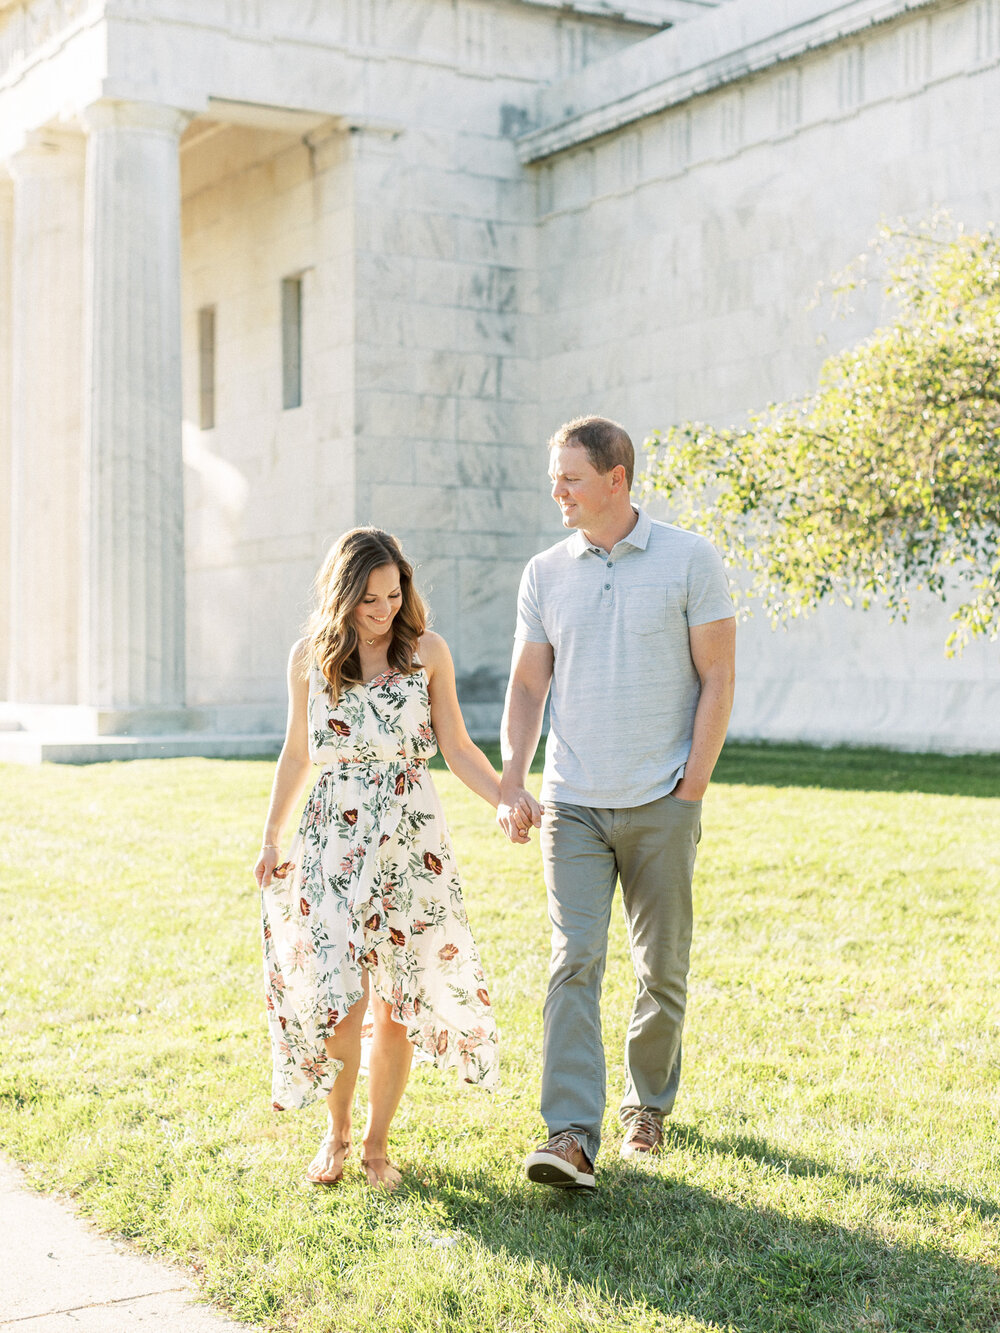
[[369, 642]]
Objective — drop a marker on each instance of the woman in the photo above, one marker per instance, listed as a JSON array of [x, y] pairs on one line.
[[366, 911]]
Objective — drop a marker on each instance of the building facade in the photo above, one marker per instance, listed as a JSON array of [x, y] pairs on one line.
[[268, 271]]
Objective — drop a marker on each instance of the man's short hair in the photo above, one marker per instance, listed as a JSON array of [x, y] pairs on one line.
[[607, 444]]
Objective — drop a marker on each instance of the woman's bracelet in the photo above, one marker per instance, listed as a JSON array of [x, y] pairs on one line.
[[270, 846]]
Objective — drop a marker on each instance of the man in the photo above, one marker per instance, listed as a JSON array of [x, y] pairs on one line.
[[630, 623]]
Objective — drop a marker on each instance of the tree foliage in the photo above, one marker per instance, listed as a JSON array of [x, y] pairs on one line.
[[887, 479]]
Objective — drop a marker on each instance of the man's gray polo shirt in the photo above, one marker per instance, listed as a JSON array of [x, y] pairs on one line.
[[624, 688]]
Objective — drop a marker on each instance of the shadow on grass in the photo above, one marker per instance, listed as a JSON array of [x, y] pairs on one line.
[[897, 1193], [845, 768], [654, 1246]]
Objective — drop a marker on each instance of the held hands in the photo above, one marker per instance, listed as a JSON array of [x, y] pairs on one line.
[[517, 812]]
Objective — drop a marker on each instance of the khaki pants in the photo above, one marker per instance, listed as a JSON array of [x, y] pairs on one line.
[[651, 849]]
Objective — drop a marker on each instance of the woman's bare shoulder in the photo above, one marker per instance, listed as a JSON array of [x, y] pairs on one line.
[[301, 655], [432, 649]]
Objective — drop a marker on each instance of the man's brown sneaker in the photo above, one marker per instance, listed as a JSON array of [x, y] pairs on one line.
[[561, 1162], [643, 1135]]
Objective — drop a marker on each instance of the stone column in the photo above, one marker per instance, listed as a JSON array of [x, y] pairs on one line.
[[46, 370], [133, 649]]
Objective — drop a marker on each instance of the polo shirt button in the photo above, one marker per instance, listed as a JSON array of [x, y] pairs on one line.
[[610, 563], [607, 587]]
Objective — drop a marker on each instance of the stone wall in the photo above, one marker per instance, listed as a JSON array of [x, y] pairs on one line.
[[267, 488], [679, 256], [366, 148], [447, 424], [504, 214], [6, 385], [413, 224]]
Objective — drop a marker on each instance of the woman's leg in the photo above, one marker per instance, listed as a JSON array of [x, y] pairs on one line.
[[388, 1070], [345, 1045]]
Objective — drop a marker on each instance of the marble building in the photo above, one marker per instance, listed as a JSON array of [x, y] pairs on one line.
[[268, 271]]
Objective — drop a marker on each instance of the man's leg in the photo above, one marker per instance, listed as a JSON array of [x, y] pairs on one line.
[[656, 854], [580, 876]]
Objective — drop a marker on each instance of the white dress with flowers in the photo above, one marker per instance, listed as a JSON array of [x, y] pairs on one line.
[[371, 882]]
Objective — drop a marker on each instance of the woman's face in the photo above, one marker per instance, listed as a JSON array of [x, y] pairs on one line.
[[374, 614]]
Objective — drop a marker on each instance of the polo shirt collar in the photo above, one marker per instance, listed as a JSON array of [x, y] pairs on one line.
[[638, 537]]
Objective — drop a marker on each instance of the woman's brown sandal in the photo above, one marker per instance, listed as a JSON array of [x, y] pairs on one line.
[[319, 1175], [378, 1183]]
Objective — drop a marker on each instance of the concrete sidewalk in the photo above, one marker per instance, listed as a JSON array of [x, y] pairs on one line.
[[59, 1274]]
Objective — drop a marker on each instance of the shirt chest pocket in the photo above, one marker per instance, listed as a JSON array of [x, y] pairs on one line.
[[646, 610]]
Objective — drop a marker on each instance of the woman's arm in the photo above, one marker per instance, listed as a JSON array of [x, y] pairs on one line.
[[293, 764], [461, 754]]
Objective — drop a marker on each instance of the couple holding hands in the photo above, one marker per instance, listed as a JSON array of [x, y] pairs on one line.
[[628, 625]]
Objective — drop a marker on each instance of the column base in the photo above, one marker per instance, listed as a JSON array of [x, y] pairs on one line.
[[72, 734]]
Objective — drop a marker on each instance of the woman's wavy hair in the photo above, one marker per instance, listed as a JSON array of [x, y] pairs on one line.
[[340, 585]]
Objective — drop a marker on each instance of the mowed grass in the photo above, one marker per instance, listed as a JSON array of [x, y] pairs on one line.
[[832, 1164]]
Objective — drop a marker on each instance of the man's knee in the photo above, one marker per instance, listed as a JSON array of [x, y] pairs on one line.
[[576, 961], [664, 969], [668, 996]]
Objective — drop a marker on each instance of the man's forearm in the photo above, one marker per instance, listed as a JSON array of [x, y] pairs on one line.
[[710, 722], [519, 735]]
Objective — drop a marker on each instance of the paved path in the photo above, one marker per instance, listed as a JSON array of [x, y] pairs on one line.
[[59, 1275]]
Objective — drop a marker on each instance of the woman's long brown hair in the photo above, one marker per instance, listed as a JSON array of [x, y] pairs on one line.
[[341, 584]]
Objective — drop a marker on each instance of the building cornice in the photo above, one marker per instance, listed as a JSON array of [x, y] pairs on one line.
[[736, 40], [649, 13]]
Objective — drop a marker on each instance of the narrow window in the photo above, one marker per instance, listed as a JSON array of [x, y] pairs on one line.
[[206, 367], [291, 342]]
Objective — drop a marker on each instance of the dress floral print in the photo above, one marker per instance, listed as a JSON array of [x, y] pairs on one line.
[[371, 882]]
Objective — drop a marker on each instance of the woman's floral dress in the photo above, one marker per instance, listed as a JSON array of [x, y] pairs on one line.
[[371, 883]]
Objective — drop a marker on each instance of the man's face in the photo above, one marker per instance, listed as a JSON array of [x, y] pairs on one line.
[[582, 493]]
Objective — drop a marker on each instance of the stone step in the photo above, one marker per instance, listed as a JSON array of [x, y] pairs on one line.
[[24, 747]]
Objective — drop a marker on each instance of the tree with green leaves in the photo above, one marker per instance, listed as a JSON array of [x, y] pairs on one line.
[[886, 480]]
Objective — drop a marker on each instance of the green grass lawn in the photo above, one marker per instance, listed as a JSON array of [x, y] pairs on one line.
[[833, 1160]]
